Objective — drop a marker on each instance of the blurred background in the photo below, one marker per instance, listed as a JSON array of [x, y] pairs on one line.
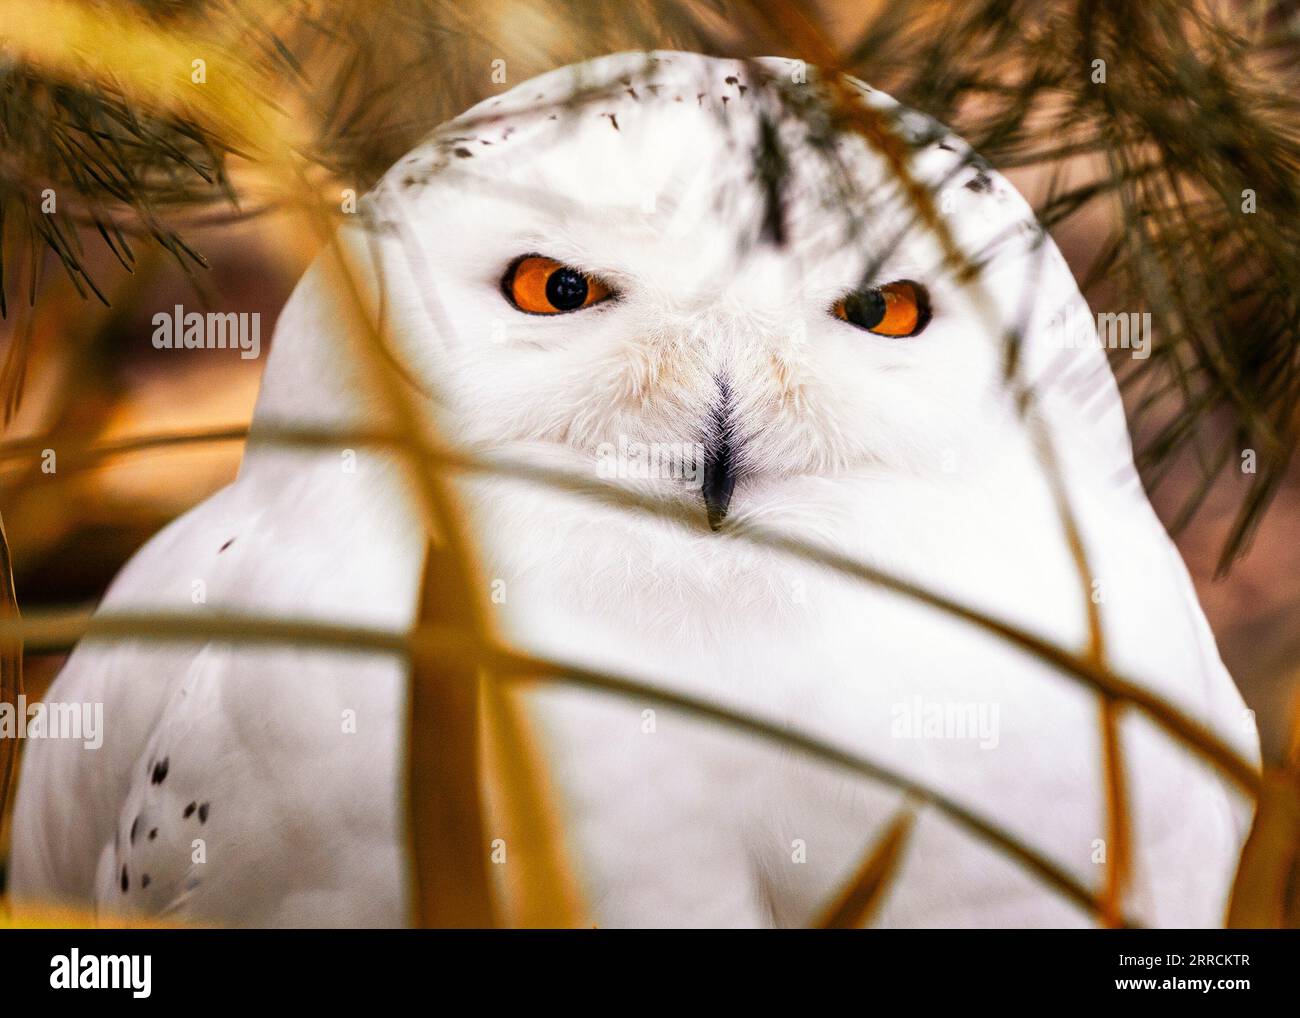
[[1140, 178]]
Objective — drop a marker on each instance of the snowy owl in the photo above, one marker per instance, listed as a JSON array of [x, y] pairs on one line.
[[691, 277]]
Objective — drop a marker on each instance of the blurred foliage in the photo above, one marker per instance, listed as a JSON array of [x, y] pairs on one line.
[[75, 155]]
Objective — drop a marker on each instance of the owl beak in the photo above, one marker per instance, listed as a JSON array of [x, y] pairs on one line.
[[719, 461], [719, 481]]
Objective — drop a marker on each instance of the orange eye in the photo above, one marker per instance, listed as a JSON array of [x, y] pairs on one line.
[[543, 286], [895, 309]]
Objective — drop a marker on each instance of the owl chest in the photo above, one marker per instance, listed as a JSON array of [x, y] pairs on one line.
[[731, 619]]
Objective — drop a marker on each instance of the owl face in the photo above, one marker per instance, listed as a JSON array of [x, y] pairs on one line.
[[678, 268]]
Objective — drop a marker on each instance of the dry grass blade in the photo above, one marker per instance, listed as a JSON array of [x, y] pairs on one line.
[[435, 775], [810, 41], [11, 668], [861, 897], [444, 806], [1118, 837], [1118, 834], [541, 891], [32, 916], [1265, 893], [448, 841], [74, 455]]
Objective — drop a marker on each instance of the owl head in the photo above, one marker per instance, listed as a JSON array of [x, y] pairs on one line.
[[703, 273]]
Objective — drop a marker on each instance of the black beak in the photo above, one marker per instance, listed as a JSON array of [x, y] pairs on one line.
[[719, 460]]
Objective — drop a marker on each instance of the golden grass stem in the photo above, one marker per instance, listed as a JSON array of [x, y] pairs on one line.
[[444, 811], [542, 890], [11, 667], [1266, 892], [859, 900]]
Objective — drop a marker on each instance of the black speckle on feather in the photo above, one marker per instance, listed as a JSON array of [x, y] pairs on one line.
[[153, 834], [232, 540], [145, 881], [189, 810], [463, 153], [772, 168], [135, 829], [203, 813], [126, 881], [160, 771]]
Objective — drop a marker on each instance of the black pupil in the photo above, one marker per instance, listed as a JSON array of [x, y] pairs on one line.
[[566, 289], [865, 308]]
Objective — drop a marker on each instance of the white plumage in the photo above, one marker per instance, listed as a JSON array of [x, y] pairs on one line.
[[904, 453]]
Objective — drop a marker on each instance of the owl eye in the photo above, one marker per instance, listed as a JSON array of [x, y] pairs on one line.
[[543, 286], [895, 309]]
